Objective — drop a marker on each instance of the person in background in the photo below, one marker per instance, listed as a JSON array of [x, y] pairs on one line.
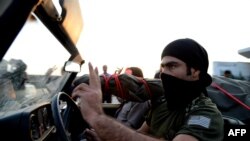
[[130, 113], [158, 73], [228, 74], [105, 71], [107, 98], [184, 113]]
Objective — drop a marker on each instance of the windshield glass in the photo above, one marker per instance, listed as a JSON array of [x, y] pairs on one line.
[[29, 72]]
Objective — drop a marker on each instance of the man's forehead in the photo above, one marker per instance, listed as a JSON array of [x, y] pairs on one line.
[[168, 59]]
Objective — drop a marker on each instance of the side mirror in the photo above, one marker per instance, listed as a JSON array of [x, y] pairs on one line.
[[71, 66]]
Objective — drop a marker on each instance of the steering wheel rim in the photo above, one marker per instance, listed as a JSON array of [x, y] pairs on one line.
[[67, 118]]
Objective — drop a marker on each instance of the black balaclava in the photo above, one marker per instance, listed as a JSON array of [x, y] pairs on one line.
[[179, 93]]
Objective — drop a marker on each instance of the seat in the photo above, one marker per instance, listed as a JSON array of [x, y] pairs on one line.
[[232, 121]]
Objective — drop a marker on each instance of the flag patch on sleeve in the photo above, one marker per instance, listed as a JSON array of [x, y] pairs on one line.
[[199, 120]]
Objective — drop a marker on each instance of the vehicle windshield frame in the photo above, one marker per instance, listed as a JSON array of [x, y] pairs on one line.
[[38, 11]]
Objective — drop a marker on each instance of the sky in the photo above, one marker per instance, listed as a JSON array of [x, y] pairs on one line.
[[124, 33]]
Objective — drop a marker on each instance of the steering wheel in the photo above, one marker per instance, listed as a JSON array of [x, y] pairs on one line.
[[67, 118]]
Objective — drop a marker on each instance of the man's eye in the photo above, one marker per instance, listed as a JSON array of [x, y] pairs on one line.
[[171, 67]]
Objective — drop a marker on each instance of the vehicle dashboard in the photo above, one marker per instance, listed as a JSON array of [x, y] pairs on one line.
[[31, 123]]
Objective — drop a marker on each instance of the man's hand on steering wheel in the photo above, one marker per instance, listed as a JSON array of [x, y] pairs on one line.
[[90, 95]]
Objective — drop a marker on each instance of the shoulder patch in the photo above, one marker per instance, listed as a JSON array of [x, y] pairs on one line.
[[199, 120]]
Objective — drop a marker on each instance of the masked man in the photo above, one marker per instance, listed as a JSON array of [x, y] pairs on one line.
[[184, 113]]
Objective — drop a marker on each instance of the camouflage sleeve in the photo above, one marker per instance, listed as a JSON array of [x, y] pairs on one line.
[[205, 124]]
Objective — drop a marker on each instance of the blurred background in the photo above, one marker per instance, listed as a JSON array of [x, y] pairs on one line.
[[120, 33]]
